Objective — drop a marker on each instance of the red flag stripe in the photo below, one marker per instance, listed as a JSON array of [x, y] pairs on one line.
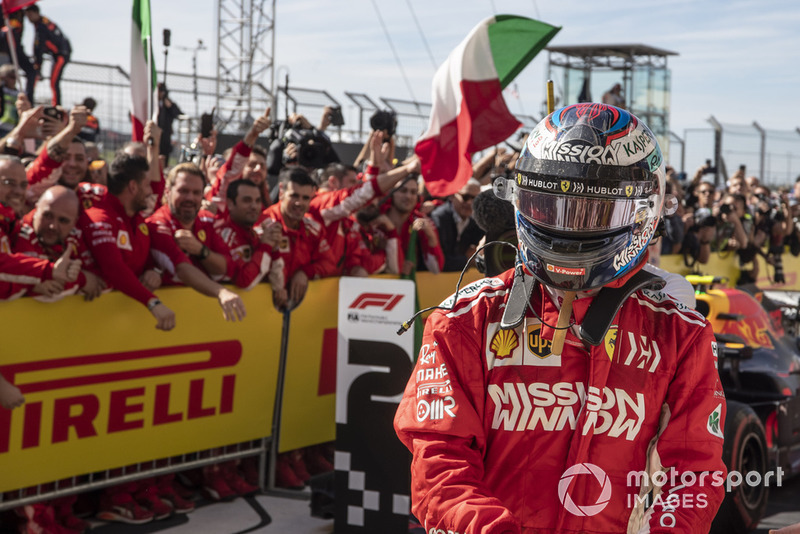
[[483, 120]]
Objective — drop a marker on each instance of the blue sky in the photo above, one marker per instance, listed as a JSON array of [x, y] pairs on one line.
[[738, 60]]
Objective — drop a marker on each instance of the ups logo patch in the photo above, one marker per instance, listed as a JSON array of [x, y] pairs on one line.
[[539, 347]]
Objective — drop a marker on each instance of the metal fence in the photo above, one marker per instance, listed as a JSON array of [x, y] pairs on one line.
[[772, 155]]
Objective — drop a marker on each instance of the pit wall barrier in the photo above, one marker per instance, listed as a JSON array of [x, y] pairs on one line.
[[104, 389]]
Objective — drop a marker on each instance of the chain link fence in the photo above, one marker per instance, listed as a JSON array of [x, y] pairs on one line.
[[772, 155]]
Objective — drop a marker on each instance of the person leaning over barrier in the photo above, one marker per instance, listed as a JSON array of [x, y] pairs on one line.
[[538, 393], [20, 273], [120, 242], [182, 219], [254, 251], [46, 232], [302, 247]]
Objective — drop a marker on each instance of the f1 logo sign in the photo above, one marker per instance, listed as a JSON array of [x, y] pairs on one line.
[[385, 301]]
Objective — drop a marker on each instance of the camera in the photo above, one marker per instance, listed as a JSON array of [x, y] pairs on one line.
[[336, 116], [384, 120], [206, 124], [190, 153], [54, 113], [709, 169], [314, 150], [725, 209]]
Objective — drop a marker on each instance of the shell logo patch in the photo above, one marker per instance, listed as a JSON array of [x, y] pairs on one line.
[[201, 235], [143, 229], [610, 341], [539, 347], [124, 240], [503, 343]]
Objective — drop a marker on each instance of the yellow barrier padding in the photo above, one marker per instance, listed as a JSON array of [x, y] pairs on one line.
[[105, 389], [725, 265]]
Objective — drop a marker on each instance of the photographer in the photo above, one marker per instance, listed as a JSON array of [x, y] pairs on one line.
[[385, 122], [699, 222], [734, 224], [296, 142], [772, 224], [168, 111]]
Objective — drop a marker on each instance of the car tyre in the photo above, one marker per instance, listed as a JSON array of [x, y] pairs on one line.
[[744, 450]]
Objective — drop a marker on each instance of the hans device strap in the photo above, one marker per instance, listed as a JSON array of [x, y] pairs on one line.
[[607, 303]]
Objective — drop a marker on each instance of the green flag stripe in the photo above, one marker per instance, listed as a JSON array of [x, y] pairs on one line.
[[515, 41]]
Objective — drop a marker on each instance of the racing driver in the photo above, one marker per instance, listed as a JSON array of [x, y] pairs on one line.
[[570, 394]]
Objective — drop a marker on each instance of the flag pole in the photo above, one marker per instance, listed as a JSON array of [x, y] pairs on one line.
[[12, 48], [149, 75]]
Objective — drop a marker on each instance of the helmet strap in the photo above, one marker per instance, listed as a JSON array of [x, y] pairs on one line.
[[563, 322]]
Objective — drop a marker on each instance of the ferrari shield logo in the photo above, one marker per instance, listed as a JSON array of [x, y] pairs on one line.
[[610, 341], [565, 185], [628, 190], [201, 235]]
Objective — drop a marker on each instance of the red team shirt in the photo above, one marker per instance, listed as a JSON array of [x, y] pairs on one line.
[[166, 225], [252, 259], [121, 247]]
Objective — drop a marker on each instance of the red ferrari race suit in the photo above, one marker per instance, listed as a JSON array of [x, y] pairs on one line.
[[507, 437], [332, 209], [374, 250], [230, 171], [121, 247], [18, 272], [25, 241], [166, 225], [252, 259], [302, 249], [432, 255]]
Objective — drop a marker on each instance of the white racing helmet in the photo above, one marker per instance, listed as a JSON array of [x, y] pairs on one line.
[[588, 191]]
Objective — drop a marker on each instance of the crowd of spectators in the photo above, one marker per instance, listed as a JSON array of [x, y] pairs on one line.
[[738, 216]]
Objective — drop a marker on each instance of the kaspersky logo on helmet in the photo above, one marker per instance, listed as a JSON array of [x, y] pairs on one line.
[[583, 470]]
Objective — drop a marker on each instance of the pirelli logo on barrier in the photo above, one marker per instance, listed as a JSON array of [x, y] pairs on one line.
[[77, 398]]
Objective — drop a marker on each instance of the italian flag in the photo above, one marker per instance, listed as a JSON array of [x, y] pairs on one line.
[[469, 113], [143, 70]]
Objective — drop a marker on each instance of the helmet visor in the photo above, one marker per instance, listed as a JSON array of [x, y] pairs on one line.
[[564, 213]]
